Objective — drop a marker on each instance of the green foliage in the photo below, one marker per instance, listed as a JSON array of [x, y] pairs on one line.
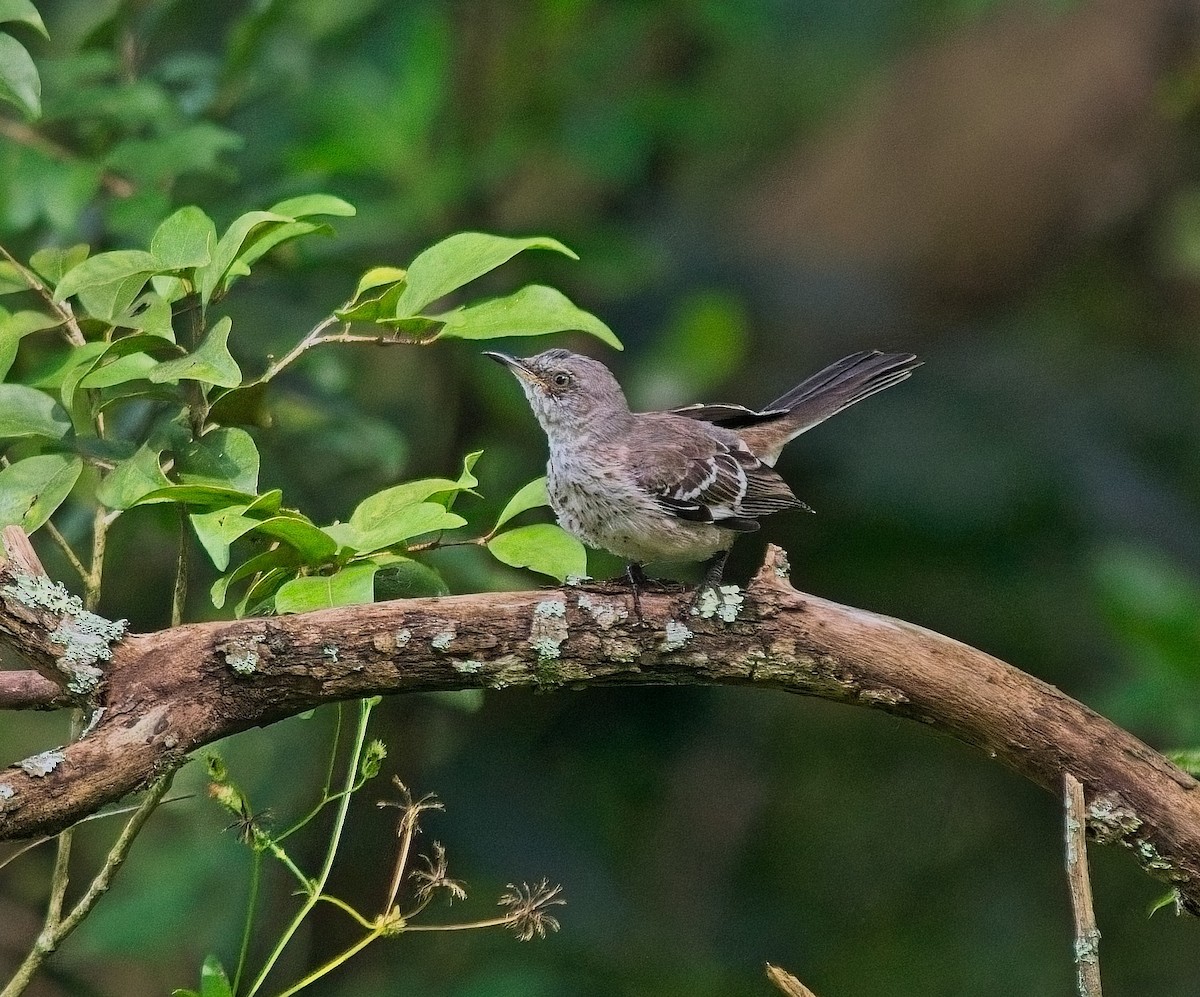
[[136, 395]]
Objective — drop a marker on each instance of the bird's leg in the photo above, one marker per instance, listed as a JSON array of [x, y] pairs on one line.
[[714, 571], [637, 581]]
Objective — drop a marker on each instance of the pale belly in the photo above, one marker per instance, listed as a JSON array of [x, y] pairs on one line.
[[620, 518]]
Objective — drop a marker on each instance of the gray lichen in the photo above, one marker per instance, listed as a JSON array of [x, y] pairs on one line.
[[677, 636], [548, 628], [606, 614], [331, 652], [85, 638], [41, 765], [443, 640], [468, 667], [1111, 819], [783, 567], [241, 653], [724, 603], [6, 791]]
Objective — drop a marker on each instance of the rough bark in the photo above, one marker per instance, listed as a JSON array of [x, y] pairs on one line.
[[165, 694]]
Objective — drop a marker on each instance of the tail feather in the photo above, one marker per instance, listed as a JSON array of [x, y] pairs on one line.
[[825, 394]]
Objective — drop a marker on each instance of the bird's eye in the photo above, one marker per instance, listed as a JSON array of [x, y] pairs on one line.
[[561, 380]]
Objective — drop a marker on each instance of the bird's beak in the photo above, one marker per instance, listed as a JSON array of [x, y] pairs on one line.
[[514, 364]]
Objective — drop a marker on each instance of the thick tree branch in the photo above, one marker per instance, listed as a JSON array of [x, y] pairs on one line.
[[30, 690], [166, 694]]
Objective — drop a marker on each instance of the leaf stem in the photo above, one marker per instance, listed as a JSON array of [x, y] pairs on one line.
[[72, 558]]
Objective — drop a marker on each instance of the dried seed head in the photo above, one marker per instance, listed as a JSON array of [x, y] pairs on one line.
[[527, 909], [434, 877], [411, 809]]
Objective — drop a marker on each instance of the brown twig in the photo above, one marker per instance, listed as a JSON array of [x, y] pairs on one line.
[[1087, 935], [787, 983]]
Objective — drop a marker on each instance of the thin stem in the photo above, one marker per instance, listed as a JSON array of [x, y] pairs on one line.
[[410, 825], [248, 926], [60, 308], [333, 963], [341, 904], [305, 883], [307, 343], [179, 592], [318, 887], [53, 935], [91, 584], [59, 879], [1087, 935], [68, 551], [494, 922]]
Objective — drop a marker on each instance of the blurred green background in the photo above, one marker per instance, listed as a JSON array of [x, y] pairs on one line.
[[1011, 190]]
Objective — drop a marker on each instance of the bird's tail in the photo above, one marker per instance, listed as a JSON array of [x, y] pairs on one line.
[[827, 393]]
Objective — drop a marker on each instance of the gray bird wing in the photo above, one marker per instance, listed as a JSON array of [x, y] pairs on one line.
[[705, 474]]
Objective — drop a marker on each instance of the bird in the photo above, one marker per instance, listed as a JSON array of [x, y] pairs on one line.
[[684, 484]]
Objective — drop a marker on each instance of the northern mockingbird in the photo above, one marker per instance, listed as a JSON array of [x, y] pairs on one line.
[[678, 485]]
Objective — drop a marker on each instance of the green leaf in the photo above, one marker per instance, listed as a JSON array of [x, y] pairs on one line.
[[60, 365], [132, 480], [28, 412], [257, 246], [135, 367], [259, 598], [267, 503], [24, 12], [106, 269], [281, 557], [11, 279], [230, 244], [185, 240], [31, 489], [312, 543], [408, 522], [314, 204], [404, 578], [121, 360], [51, 263], [210, 363], [150, 313], [213, 981], [378, 277], [458, 260], [199, 495], [532, 496], [226, 457], [19, 82], [219, 528], [13, 327], [351, 586], [535, 310], [543, 547], [466, 482], [99, 365]]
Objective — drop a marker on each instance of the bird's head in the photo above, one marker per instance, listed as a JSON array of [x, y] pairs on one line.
[[567, 392]]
